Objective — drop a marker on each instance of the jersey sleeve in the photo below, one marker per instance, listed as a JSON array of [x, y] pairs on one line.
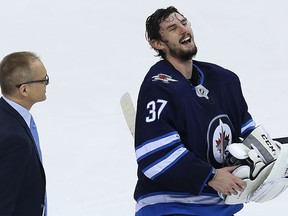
[[161, 154], [248, 124]]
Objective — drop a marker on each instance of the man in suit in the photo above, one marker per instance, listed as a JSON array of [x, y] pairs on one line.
[[23, 80]]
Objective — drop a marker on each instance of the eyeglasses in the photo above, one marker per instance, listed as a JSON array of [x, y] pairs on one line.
[[46, 81]]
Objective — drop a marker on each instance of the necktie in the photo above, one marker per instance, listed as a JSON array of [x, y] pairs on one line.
[[34, 132]]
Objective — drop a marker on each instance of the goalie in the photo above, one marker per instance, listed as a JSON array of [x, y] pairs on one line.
[[188, 112], [263, 165]]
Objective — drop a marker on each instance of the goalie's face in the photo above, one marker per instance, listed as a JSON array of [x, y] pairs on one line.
[[177, 39]]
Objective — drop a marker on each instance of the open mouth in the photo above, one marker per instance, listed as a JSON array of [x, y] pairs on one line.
[[185, 40]]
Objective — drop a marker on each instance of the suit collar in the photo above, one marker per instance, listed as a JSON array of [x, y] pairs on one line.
[[20, 109], [9, 109]]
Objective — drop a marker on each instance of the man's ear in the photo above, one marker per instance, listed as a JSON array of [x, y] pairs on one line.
[[156, 44], [23, 90]]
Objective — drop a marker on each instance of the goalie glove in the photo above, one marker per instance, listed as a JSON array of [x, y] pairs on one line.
[[256, 157]]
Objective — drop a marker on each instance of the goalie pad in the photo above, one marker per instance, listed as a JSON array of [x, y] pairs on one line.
[[262, 143], [258, 140], [257, 156], [252, 176], [277, 180]]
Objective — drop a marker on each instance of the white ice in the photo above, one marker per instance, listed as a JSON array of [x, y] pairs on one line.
[[95, 51]]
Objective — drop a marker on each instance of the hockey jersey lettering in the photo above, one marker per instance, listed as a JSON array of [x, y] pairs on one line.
[[154, 110], [178, 147]]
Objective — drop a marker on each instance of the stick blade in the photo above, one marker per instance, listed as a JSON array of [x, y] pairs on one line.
[[129, 112], [283, 140]]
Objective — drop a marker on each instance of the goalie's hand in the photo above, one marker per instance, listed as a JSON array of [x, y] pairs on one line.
[[225, 182]]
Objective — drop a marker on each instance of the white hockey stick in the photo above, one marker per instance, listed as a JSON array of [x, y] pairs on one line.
[[128, 111]]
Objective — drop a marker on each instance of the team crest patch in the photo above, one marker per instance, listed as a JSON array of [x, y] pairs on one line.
[[164, 78], [219, 137]]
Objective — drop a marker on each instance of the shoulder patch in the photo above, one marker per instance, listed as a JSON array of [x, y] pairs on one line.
[[164, 78]]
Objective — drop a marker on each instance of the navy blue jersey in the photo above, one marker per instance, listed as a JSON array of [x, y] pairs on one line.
[[182, 130]]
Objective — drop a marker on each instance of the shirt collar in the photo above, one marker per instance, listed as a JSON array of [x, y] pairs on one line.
[[21, 110]]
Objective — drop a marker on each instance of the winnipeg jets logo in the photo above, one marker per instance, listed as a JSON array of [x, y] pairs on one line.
[[221, 139], [164, 78], [219, 136]]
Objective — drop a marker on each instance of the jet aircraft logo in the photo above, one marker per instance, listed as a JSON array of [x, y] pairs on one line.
[[164, 78]]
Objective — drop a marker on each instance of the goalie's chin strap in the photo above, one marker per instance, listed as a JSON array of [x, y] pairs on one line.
[[263, 165]]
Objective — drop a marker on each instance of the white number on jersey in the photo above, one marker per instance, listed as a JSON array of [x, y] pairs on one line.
[[153, 112]]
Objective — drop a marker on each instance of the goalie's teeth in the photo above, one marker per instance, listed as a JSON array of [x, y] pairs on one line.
[[186, 39]]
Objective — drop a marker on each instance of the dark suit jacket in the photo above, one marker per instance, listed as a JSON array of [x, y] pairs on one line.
[[22, 177]]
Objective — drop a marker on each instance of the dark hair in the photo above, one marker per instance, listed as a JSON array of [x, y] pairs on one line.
[[15, 68], [153, 24]]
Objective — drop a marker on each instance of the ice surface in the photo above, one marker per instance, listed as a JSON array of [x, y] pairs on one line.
[[95, 51]]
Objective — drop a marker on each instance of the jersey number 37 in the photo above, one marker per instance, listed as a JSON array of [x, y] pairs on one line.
[[154, 109]]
